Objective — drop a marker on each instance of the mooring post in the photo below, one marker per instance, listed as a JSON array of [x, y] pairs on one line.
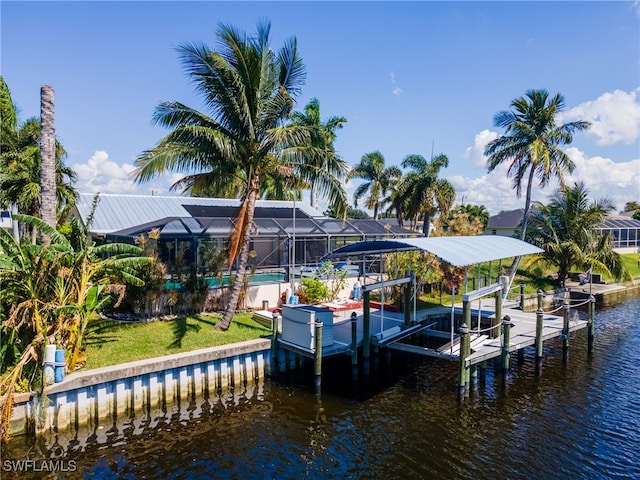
[[483, 372], [591, 323], [522, 297], [354, 344], [506, 348], [317, 370], [366, 329], [463, 379], [565, 330], [473, 376], [406, 304], [540, 298], [539, 327], [495, 321], [275, 325]]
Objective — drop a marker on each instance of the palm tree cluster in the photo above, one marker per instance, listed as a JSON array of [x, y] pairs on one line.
[[566, 229], [416, 195]]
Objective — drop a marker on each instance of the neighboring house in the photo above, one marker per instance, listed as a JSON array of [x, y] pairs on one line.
[[625, 231], [207, 222], [506, 224]]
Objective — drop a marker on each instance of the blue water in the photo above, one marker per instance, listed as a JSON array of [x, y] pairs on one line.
[[576, 421]]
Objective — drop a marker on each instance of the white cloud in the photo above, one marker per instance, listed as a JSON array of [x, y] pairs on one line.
[[396, 90], [614, 117], [618, 181], [100, 174], [480, 142]]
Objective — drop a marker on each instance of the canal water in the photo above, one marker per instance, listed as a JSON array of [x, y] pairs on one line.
[[579, 420]]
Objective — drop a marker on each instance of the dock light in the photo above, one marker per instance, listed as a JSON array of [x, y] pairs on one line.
[[354, 317]]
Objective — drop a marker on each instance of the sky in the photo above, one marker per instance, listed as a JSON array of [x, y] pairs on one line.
[[410, 78]]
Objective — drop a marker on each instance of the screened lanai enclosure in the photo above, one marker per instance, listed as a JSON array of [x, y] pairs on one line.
[[285, 235], [625, 233]]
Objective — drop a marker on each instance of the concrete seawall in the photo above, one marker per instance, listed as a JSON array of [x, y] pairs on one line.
[[100, 396]]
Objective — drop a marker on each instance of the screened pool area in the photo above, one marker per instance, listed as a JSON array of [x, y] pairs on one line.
[[285, 235]]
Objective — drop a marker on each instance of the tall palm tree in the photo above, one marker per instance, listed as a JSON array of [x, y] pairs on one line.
[[47, 159], [379, 180], [249, 90], [532, 143], [20, 165], [425, 193], [323, 137], [566, 229]]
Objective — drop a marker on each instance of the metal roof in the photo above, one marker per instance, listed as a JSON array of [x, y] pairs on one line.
[[116, 213], [457, 251], [619, 221], [131, 215]]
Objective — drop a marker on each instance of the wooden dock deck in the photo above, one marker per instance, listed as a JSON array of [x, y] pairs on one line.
[[387, 330]]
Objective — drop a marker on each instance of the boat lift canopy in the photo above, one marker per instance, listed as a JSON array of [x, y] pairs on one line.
[[457, 251]]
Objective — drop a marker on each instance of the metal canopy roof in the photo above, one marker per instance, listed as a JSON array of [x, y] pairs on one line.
[[457, 251]]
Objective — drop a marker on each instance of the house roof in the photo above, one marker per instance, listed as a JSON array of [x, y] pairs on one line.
[[131, 215], [619, 221], [457, 251], [511, 219], [116, 213]]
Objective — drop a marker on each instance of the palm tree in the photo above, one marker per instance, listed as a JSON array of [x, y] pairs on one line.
[[532, 143], [47, 159], [249, 90], [566, 229], [426, 194], [20, 165], [323, 136], [378, 181]]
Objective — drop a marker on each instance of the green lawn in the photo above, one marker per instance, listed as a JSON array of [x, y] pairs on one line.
[[111, 342]]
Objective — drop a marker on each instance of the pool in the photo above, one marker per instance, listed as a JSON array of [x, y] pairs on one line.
[[262, 277]]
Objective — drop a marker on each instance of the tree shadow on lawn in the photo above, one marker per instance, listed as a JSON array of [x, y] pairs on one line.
[[105, 331], [180, 328]]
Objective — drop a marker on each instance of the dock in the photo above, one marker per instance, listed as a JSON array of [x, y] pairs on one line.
[[461, 334]]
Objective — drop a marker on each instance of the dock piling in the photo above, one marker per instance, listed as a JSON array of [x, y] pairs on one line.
[[539, 345], [354, 345], [565, 330], [274, 342], [463, 373], [522, 297], [591, 328], [317, 370], [506, 349], [366, 331]]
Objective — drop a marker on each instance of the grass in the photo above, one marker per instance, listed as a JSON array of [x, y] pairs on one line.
[[110, 342]]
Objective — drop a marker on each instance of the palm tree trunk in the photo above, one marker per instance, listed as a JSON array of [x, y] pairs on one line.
[[47, 159], [243, 259], [426, 223], [525, 221]]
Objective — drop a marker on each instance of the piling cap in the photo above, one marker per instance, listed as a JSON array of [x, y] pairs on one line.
[[354, 316], [506, 320]]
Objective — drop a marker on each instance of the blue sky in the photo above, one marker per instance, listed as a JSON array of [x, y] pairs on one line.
[[408, 76]]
